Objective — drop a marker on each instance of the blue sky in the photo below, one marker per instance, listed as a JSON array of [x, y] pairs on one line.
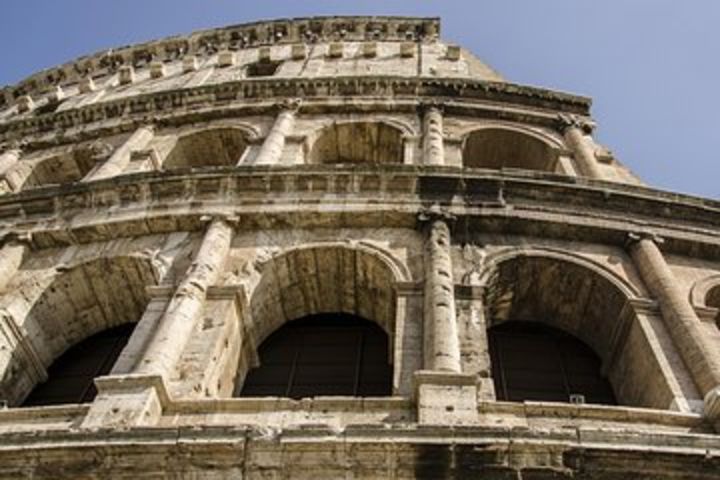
[[651, 66]]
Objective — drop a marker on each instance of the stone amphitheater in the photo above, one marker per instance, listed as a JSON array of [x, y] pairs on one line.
[[340, 247]]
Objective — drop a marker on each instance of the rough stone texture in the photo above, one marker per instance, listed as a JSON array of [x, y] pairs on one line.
[[213, 187]]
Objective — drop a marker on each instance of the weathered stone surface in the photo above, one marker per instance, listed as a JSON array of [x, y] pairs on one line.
[[214, 187]]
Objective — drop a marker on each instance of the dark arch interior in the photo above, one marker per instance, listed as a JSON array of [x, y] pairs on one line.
[[531, 361], [324, 354], [209, 148], [712, 299], [498, 148], [70, 377]]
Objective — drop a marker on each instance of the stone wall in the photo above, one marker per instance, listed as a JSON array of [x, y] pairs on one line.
[[213, 188]]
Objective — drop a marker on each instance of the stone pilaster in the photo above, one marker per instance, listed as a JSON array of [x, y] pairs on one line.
[[439, 311], [574, 130], [683, 324], [444, 394], [121, 157], [185, 307], [274, 143], [433, 146], [12, 253]]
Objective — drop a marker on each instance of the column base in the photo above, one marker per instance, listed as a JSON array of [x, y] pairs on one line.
[[127, 401], [445, 398]]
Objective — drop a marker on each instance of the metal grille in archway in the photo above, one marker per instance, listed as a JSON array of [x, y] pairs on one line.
[[326, 354], [531, 361], [71, 376]]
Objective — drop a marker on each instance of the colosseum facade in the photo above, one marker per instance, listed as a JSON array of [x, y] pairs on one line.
[[341, 248]]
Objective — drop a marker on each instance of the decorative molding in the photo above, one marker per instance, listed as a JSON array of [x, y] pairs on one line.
[[153, 107]]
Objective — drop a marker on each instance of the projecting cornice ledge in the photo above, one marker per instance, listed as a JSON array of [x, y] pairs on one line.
[[243, 93], [267, 198]]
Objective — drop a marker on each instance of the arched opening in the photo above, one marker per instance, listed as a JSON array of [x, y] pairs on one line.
[[531, 361], [358, 142], [66, 168], [87, 299], [71, 376], [592, 305], [324, 354], [326, 283], [209, 148], [502, 148], [712, 298]]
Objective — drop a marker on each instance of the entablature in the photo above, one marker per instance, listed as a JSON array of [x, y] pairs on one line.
[[518, 202]]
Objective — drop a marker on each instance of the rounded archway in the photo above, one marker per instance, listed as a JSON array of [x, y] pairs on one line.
[[59, 169], [358, 142], [216, 147], [87, 299], [498, 148], [338, 280], [581, 299], [324, 354]]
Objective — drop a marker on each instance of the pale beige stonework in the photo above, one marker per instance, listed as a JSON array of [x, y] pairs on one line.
[[212, 187]]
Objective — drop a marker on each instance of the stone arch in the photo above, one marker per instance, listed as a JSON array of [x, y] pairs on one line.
[[587, 301], [376, 142], [496, 258], [355, 279], [706, 292], [75, 304], [217, 146], [67, 167], [505, 146]]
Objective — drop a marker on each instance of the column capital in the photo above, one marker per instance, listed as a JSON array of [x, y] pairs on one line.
[[231, 220], [632, 238], [428, 215], [101, 150], [566, 121], [291, 105], [429, 105], [23, 238]]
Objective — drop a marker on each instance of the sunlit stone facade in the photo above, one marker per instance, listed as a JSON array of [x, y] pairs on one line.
[[204, 192]]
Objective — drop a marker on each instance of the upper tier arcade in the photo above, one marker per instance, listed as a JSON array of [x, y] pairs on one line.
[[415, 100]]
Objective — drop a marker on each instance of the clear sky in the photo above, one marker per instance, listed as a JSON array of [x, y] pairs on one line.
[[651, 66]]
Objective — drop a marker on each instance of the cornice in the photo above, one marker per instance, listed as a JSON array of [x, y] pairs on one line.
[[234, 37], [245, 93], [392, 196]]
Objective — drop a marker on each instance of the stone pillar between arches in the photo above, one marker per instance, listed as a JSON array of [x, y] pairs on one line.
[[684, 326], [444, 394], [140, 394]]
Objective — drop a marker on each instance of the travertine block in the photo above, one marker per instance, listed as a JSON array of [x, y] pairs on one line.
[[126, 75], [157, 70], [226, 58]]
